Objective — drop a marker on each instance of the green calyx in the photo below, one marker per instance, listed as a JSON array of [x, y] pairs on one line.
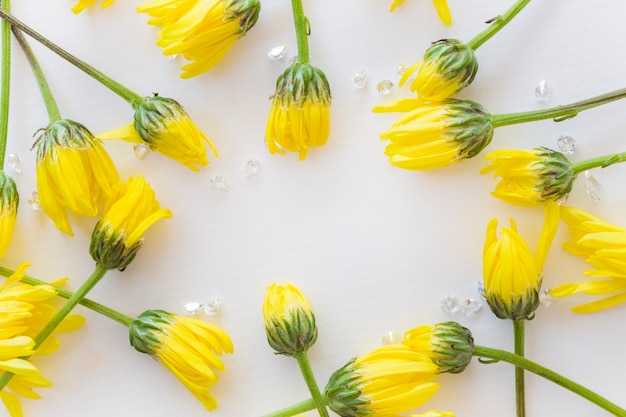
[[555, 174], [344, 392], [152, 115], [518, 308], [9, 197], [452, 346], [246, 11], [454, 59], [293, 333], [145, 331], [302, 84], [63, 133], [108, 247], [469, 125]]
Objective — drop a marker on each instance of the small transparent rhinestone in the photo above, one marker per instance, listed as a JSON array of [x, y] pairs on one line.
[[192, 308], [140, 150], [400, 69], [33, 200], [277, 53], [392, 338], [384, 87], [172, 57], [449, 304], [593, 187], [566, 144], [292, 60], [470, 306], [562, 200], [480, 287], [13, 161], [219, 182], [545, 298], [213, 306], [542, 91], [252, 167], [360, 79]]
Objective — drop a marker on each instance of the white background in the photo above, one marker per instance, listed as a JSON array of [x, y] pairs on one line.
[[373, 247]]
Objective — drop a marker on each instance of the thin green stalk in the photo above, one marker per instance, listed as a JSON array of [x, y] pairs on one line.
[[301, 407], [5, 87], [501, 355], [497, 24], [600, 161], [48, 98], [309, 378], [558, 113], [520, 387], [69, 305], [302, 31], [128, 95]]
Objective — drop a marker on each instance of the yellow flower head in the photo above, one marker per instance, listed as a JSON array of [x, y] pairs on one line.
[[449, 345], [433, 135], [384, 383], [74, 172], [448, 66], [512, 274], [188, 347], [531, 177], [9, 200], [603, 246], [200, 30], [165, 127], [130, 211], [289, 320], [442, 9], [83, 4], [300, 114]]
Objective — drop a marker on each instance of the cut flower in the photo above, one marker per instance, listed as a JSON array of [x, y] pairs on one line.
[[9, 201]]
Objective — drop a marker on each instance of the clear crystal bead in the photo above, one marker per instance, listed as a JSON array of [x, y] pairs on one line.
[[400, 69], [566, 144], [192, 308], [33, 201], [384, 87], [277, 53], [469, 307], [13, 161], [219, 182], [292, 60], [140, 150], [545, 298], [449, 304], [392, 338], [542, 91], [172, 57], [562, 200], [360, 79], [252, 167], [593, 187], [480, 287], [213, 306]]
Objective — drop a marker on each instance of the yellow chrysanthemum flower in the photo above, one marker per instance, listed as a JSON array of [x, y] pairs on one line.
[[9, 201], [603, 246], [300, 114], [448, 66], [164, 125], [512, 274], [74, 172], [530, 177], [289, 320], [433, 135], [442, 9], [384, 383], [83, 4], [129, 212], [188, 347], [202, 31], [449, 345]]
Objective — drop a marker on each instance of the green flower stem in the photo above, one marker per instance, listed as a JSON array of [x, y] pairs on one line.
[[501, 355], [309, 378], [5, 87], [558, 113], [600, 161], [301, 407], [48, 98], [128, 95], [302, 31], [520, 387], [497, 24], [93, 279]]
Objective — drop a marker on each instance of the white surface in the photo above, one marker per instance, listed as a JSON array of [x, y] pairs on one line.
[[373, 247]]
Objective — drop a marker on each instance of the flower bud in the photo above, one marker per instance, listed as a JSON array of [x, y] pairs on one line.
[[9, 201]]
